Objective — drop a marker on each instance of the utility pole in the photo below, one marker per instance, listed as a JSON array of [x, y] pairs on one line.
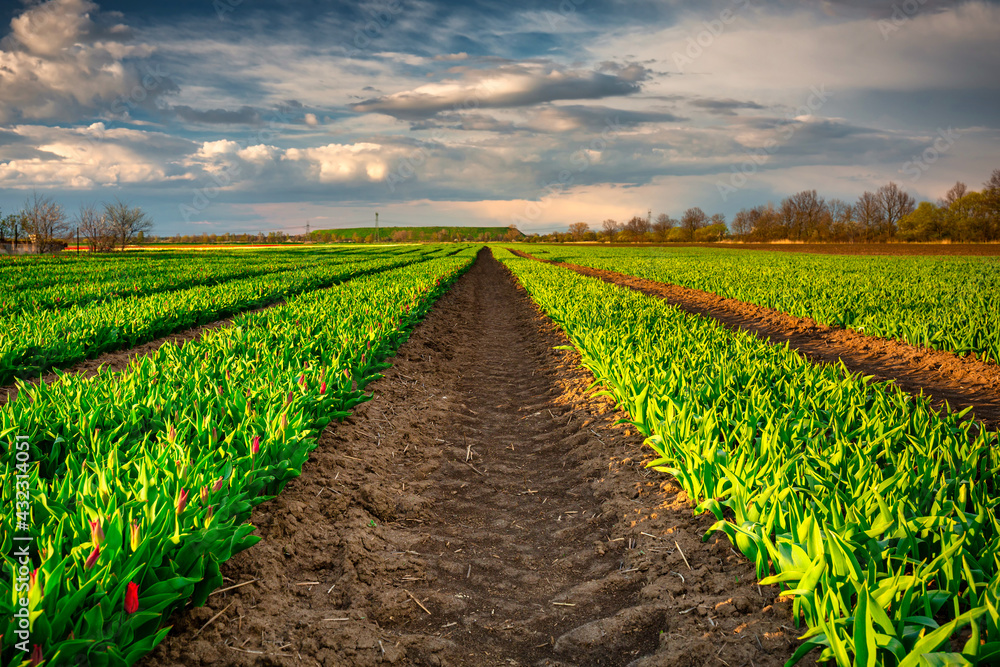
[[78, 241], [307, 231], [377, 237]]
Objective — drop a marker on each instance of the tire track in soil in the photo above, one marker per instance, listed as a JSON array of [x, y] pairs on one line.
[[552, 545], [943, 376]]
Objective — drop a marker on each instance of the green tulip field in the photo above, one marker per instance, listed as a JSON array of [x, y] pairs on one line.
[[124, 492], [877, 514], [950, 304]]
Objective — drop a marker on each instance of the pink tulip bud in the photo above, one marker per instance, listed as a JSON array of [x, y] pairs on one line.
[[92, 558], [204, 495], [96, 533], [255, 445], [218, 484]]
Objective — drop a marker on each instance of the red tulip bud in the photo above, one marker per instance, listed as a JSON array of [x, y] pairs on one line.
[[284, 420], [290, 397], [302, 380], [36, 656], [182, 500], [255, 445], [322, 387], [131, 598], [218, 484], [204, 495], [92, 558], [32, 579]]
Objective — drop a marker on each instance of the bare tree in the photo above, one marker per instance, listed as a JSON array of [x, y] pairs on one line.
[[637, 227], [662, 226], [10, 227], [868, 214], [96, 227], [894, 203], [956, 192], [578, 229], [693, 220], [611, 227], [745, 220], [804, 214], [126, 221], [44, 221], [842, 224]]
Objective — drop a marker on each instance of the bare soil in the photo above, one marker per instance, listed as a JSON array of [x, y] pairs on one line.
[[483, 509], [943, 376], [941, 249]]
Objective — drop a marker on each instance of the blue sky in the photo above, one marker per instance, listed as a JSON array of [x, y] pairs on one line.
[[254, 115]]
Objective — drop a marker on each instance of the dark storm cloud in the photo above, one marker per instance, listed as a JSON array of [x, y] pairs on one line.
[[726, 107], [510, 86]]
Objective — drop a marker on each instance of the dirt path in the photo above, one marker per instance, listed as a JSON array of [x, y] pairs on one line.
[[483, 510], [961, 381]]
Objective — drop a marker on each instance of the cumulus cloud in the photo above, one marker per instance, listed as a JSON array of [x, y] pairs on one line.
[[89, 157], [507, 86], [63, 60]]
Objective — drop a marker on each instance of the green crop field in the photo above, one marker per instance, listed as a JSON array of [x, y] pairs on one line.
[[125, 491], [942, 303]]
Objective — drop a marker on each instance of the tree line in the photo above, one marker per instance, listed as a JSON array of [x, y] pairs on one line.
[[887, 214], [44, 226]]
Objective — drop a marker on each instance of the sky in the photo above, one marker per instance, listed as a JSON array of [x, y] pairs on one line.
[[265, 115]]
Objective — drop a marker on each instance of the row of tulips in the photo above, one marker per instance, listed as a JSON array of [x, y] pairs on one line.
[[941, 303], [141, 481], [876, 513], [37, 341], [28, 286]]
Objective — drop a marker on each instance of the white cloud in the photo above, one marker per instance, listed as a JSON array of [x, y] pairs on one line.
[[93, 156], [58, 63]]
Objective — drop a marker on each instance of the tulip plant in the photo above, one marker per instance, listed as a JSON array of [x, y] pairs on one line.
[[941, 303], [142, 481], [876, 513], [36, 341]]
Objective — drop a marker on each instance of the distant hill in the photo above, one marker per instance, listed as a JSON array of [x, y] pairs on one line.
[[412, 234]]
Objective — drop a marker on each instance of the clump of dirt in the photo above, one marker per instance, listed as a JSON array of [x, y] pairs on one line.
[[943, 376], [484, 509]]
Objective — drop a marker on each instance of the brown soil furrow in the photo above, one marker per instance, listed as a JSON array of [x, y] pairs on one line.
[[550, 545], [945, 377]]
